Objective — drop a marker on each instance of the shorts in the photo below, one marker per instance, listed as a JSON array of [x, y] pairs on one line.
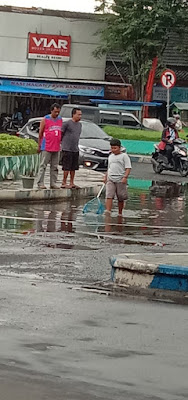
[[70, 161], [118, 188]]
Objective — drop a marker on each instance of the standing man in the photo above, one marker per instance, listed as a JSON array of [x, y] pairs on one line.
[[70, 151], [49, 144]]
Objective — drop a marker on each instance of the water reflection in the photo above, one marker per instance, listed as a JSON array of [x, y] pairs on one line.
[[115, 228], [67, 218], [167, 189], [146, 213], [60, 220]]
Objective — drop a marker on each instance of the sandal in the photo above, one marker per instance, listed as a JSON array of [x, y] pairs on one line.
[[75, 187]]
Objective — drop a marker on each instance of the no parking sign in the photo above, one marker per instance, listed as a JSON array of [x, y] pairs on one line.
[[168, 80]]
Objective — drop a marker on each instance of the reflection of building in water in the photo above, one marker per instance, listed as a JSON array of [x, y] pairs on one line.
[[170, 201], [8, 223], [167, 189], [171, 212]]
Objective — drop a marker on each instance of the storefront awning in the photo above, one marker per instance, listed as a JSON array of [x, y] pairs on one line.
[[181, 106], [19, 89], [50, 88], [119, 108], [126, 103]]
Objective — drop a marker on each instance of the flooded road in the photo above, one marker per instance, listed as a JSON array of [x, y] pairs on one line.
[[65, 344], [57, 241]]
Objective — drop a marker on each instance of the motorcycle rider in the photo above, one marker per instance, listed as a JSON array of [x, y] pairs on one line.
[[179, 124], [169, 134]]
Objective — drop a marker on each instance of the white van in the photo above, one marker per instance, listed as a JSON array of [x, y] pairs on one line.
[[103, 117]]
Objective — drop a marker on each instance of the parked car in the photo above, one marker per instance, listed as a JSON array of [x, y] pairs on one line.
[[94, 144], [103, 117]]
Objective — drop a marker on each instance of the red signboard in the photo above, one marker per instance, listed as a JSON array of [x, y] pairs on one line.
[[49, 47]]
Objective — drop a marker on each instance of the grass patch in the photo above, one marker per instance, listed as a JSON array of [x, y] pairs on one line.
[[137, 134], [14, 146]]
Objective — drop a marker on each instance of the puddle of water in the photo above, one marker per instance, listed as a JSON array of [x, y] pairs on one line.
[[148, 213], [66, 246], [168, 189]]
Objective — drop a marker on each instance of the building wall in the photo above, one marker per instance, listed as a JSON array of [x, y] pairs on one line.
[[14, 28]]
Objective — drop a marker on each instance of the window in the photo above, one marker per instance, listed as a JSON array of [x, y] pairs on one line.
[[92, 131], [109, 118], [129, 120], [66, 112], [34, 127]]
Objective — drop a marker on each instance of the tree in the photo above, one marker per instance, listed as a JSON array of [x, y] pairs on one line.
[[140, 30]]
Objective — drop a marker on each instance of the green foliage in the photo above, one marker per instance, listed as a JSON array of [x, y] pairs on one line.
[[135, 134], [6, 136], [140, 30], [14, 146]]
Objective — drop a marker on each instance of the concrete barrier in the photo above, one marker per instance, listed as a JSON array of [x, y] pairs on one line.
[[11, 167], [48, 194], [129, 272]]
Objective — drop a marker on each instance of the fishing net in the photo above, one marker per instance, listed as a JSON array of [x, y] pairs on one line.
[[94, 206]]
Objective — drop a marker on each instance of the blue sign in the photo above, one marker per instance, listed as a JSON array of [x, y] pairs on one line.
[[179, 95], [57, 89]]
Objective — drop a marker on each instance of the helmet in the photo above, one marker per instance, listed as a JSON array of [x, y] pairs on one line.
[[171, 121]]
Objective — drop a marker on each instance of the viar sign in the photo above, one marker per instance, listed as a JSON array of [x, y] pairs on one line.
[[168, 80], [49, 47]]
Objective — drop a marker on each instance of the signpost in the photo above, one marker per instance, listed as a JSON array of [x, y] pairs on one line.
[[168, 80]]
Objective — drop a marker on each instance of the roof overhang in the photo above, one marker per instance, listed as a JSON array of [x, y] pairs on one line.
[[181, 106]]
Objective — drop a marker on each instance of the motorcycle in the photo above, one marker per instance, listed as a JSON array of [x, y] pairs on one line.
[[10, 125], [179, 162]]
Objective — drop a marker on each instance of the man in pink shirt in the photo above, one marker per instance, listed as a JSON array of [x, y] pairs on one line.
[[49, 144]]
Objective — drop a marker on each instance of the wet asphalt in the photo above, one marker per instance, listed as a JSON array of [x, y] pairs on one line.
[[61, 343]]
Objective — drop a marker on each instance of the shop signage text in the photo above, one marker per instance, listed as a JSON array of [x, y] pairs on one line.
[[49, 47], [51, 88]]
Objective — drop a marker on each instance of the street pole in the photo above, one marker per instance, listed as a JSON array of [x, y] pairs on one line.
[[168, 102]]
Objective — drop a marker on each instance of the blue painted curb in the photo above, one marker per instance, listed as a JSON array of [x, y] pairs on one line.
[[173, 270], [133, 273], [112, 262], [170, 277]]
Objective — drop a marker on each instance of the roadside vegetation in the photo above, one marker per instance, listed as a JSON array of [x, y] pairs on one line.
[[137, 134], [140, 31], [14, 146]]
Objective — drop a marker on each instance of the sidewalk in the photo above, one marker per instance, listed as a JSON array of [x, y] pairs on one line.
[[89, 183]]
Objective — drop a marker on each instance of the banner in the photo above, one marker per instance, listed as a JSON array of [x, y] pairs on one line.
[[49, 47], [58, 89]]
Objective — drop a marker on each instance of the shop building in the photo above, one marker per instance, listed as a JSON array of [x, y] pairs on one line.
[[47, 56]]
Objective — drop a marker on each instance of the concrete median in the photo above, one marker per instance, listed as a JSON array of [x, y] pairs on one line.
[[133, 273]]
